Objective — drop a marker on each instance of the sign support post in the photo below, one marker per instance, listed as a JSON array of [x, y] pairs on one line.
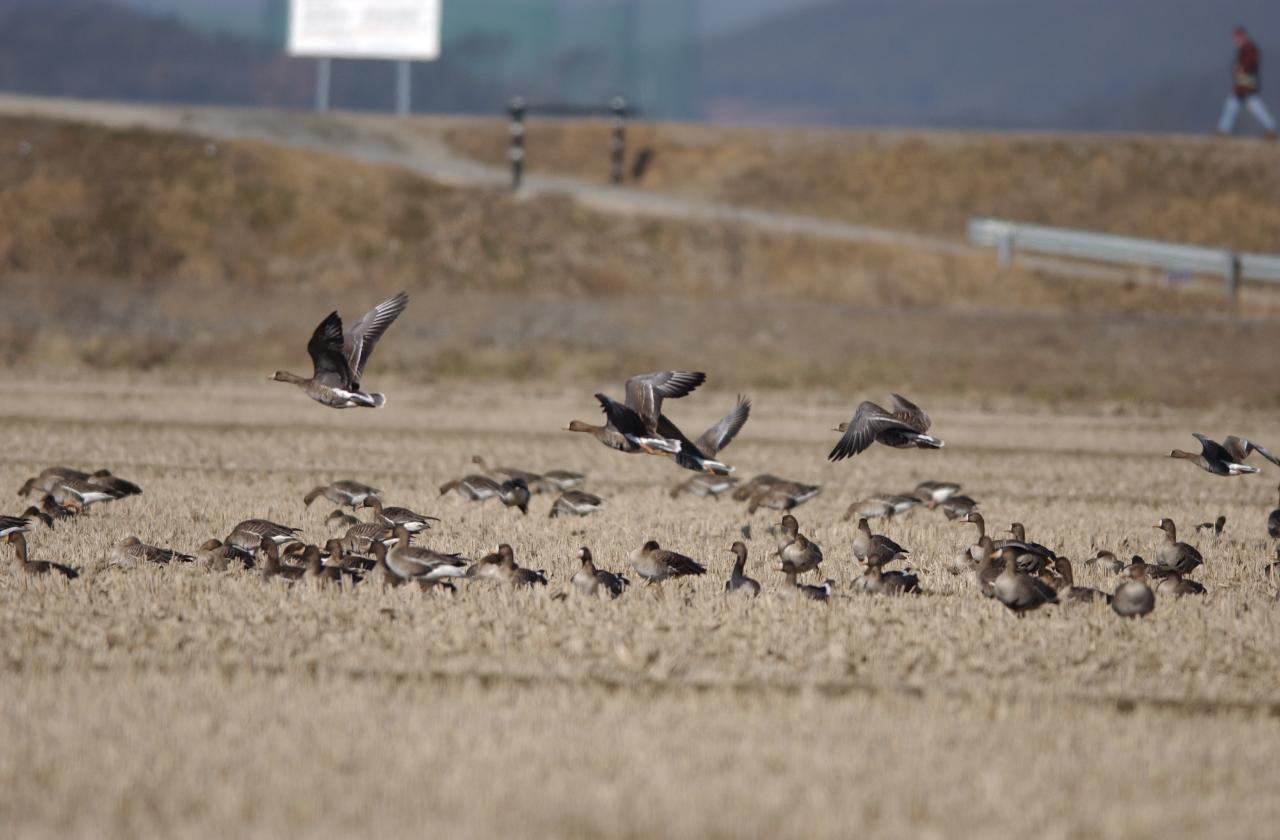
[[403, 91], [324, 67]]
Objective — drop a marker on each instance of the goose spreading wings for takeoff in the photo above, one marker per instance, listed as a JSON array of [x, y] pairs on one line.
[[1226, 458], [339, 358], [633, 426], [700, 455], [904, 427]]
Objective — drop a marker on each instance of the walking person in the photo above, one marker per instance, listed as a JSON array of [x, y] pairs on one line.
[[1248, 84]]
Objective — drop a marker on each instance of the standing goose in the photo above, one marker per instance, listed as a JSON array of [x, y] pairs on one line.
[[344, 493], [703, 485], [700, 455], [1176, 585], [1226, 458], [339, 359], [412, 521], [902, 428], [592, 581], [27, 566], [876, 581], [988, 565], [1019, 591], [632, 426], [409, 562], [271, 567], [217, 556], [1176, 556], [250, 533], [79, 494], [1273, 524], [1133, 597], [502, 567], [796, 552], [575, 503], [655, 564], [794, 589], [51, 477], [362, 536], [1069, 593], [738, 582], [131, 551], [869, 547], [1106, 562]]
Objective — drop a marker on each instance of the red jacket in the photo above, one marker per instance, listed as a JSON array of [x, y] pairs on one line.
[[1248, 63]]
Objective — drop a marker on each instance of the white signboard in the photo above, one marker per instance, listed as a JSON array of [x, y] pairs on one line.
[[396, 29]]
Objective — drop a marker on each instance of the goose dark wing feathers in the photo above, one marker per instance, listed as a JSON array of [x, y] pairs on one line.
[[325, 349]]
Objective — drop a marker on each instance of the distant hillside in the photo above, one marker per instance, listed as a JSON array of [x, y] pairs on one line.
[[986, 63]]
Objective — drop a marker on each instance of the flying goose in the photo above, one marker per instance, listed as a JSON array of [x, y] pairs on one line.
[[1019, 591], [782, 495], [655, 564], [796, 552], [339, 359], [738, 582], [131, 551], [592, 581], [632, 426], [343, 492], [700, 455], [1216, 525], [1176, 556], [1226, 458], [513, 492], [934, 493], [18, 540], [412, 521], [250, 533], [575, 503], [1133, 597], [902, 428], [703, 485]]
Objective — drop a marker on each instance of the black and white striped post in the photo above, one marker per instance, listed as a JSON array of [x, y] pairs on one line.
[[618, 143], [515, 152]]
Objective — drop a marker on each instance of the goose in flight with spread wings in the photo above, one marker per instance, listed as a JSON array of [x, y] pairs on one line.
[[339, 358], [700, 455], [1226, 458], [903, 428], [632, 426]]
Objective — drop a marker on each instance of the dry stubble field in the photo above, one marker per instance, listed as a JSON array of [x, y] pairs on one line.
[[174, 702]]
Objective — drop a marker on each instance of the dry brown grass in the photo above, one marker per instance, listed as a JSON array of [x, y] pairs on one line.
[[1215, 192], [174, 702]]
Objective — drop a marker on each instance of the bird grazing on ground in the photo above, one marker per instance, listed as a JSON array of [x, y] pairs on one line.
[[532, 480], [18, 540], [218, 556], [1273, 524], [412, 521], [592, 581], [53, 510], [745, 491], [270, 565], [575, 503], [738, 582], [362, 536], [338, 519], [632, 426], [902, 428], [339, 359], [1068, 592], [1176, 556], [957, 507], [1216, 525], [51, 477], [934, 493], [1176, 585], [34, 513], [344, 492], [1019, 591], [881, 506], [501, 566], [700, 455], [704, 485], [407, 562], [1019, 541], [250, 533], [1226, 458], [783, 495], [797, 552], [80, 494], [655, 564], [872, 548], [1133, 597], [131, 551], [118, 486], [1106, 562]]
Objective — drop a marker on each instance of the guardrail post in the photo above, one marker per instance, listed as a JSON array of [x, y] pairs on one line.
[[618, 143], [1233, 278], [515, 152], [1004, 249]]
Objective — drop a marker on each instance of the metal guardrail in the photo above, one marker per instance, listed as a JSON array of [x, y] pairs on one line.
[[1008, 237]]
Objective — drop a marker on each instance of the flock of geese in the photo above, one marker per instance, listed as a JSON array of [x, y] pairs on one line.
[[1020, 573]]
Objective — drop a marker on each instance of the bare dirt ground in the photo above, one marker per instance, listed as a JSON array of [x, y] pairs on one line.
[[175, 702]]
